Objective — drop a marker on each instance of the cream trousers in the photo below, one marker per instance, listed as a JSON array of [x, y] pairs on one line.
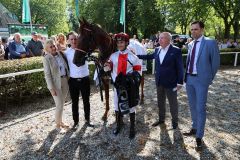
[[60, 99]]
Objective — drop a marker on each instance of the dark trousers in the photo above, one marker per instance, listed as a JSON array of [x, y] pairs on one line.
[[171, 95], [77, 85]]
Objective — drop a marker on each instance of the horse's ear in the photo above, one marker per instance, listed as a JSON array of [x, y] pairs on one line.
[[85, 21]]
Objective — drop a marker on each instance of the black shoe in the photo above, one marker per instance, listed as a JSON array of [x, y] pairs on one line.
[[132, 126], [199, 144], [174, 125], [88, 123], [157, 123], [191, 133], [118, 122], [75, 125]]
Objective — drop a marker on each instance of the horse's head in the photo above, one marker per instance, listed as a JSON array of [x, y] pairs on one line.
[[90, 38], [85, 44]]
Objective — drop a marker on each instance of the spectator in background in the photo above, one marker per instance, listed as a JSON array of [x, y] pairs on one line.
[[40, 38], [61, 42], [34, 46], [178, 42], [189, 40], [143, 42], [6, 49], [2, 52], [16, 48]]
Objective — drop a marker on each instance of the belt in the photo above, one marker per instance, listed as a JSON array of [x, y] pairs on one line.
[[192, 74], [79, 79]]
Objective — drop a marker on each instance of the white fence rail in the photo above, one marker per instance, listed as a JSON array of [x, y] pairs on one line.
[[153, 67], [184, 55]]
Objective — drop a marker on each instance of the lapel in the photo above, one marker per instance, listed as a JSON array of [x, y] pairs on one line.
[[167, 55], [201, 48]]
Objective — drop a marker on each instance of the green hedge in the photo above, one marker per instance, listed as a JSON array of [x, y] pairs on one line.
[[16, 90]]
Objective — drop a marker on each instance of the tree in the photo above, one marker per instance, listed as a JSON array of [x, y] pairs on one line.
[[50, 13], [228, 10], [183, 12]]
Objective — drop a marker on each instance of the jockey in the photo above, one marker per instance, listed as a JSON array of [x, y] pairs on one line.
[[123, 62]]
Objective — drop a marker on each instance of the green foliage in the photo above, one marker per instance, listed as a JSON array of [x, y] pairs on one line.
[[51, 13]]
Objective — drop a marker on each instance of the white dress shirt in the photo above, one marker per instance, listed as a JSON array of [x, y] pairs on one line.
[[163, 52], [196, 55], [75, 71]]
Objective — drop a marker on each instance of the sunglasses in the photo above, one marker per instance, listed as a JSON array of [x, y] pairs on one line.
[[194, 29], [53, 46]]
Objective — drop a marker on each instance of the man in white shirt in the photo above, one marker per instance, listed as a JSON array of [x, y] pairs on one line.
[[168, 77], [79, 82]]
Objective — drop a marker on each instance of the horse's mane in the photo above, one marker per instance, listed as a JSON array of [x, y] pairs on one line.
[[86, 27]]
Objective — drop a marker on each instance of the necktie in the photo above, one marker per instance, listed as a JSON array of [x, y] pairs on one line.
[[192, 57]]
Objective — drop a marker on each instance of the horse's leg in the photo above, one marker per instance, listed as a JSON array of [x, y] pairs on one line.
[[142, 94], [106, 89]]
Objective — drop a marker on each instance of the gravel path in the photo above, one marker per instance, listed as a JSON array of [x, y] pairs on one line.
[[28, 132]]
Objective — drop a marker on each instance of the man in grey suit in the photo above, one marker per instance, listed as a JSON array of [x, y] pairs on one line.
[[202, 64]]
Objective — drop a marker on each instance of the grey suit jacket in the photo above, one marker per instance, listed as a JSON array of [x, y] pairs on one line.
[[52, 71], [208, 60]]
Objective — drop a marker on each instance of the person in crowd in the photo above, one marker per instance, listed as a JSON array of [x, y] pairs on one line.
[[138, 49], [34, 46], [122, 63], [79, 82], [2, 51], [178, 42], [61, 42], [5, 46], [143, 42], [56, 75], [16, 48], [146, 45], [189, 40], [202, 63], [168, 77], [156, 39]]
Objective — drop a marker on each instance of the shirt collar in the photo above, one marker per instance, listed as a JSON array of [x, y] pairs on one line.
[[166, 48], [199, 39]]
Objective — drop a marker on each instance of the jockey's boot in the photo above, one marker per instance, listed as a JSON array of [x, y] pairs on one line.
[[118, 122], [132, 125]]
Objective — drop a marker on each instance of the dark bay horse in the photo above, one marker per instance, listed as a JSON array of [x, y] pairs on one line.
[[92, 37]]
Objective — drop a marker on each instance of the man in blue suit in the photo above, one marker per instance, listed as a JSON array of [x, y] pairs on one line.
[[168, 76], [202, 64]]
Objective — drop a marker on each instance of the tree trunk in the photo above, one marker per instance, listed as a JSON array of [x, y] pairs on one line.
[[227, 29], [236, 29]]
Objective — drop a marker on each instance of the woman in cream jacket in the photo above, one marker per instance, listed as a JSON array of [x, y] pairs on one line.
[[56, 75]]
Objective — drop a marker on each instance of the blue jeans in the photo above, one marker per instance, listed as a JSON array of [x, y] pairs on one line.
[[197, 97]]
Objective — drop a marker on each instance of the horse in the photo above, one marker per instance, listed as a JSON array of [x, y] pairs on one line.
[[92, 37]]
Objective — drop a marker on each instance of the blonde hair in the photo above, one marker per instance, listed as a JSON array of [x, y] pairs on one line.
[[48, 43], [61, 35]]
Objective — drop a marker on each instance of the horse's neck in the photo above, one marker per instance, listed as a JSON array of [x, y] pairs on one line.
[[106, 46]]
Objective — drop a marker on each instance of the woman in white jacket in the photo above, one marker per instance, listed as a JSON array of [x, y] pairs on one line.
[[56, 75]]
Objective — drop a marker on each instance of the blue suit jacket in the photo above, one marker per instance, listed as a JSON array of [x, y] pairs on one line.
[[170, 72], [208, 61]]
